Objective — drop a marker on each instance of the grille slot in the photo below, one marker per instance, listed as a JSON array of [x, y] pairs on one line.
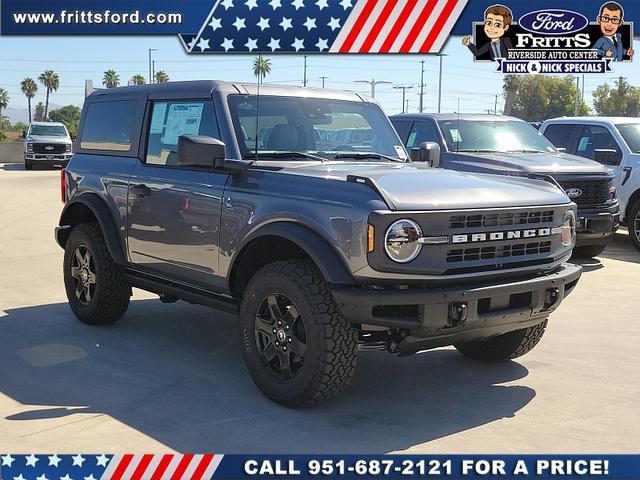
[[501, 219], [48, 148], [594, 192], [504, 251]]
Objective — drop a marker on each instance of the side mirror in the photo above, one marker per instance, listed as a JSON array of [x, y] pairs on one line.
[[429, 152], [200, 151], [606, 156], [24, 134]]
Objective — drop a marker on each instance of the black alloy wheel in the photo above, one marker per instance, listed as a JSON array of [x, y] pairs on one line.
[[83, 271]]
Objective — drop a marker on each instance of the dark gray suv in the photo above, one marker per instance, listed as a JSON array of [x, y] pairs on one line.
[[299, 210]]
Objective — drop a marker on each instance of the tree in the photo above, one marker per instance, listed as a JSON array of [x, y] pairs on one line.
[[70, 116], [51, 81], [29, 87], [261, 68], [4, 101], [535, 98], [138, 80], [111, 79], [623, 100], [20, 127], [39, 114], [161, 77]]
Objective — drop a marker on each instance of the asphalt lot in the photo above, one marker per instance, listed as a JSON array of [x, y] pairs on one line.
[[171, 377]]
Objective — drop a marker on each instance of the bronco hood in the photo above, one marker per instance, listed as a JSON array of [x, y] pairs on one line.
[[523, 163], [413, 187]]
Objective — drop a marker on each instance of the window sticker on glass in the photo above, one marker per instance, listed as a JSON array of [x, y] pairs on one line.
[[157, 121], [455, 135], [183, 119], [400, 152]]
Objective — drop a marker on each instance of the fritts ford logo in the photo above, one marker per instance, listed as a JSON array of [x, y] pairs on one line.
[[554, 41]]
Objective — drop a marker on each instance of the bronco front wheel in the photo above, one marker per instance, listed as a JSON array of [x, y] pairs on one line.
[[297, 346]]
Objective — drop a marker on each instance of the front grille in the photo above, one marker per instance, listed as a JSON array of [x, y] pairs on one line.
[[594, 192], [501, 219], [49, 149], [503, 251]]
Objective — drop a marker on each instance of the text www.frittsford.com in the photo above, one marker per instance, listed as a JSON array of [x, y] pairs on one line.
[[88, 17]]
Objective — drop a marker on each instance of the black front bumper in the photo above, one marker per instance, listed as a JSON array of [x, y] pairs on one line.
[[438, 317], [596, 225]]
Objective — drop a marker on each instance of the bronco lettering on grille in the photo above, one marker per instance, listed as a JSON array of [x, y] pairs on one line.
[[505, 235]]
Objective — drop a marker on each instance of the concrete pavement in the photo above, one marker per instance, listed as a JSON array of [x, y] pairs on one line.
[[171, 377]]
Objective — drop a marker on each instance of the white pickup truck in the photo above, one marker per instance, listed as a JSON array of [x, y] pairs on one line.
[[47, 143], [614, 142]]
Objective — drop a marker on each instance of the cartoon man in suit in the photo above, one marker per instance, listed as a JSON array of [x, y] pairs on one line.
[[610, 45], [497, 19]]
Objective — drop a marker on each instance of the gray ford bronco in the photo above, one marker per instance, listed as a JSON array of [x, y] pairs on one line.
[[324, 243]]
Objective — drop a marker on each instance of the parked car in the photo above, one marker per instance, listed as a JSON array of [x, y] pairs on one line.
[[47, 144], [509, 146], [321, 252], [615, 143]]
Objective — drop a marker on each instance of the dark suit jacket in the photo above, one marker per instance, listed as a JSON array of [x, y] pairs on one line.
[[505, 46]]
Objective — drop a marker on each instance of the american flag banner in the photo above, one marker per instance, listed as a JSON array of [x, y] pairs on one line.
[[109, 467], [326, 26]]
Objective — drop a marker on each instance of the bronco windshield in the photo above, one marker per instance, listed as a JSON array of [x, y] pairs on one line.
[[488, 136], [321, 129], [48, 130], [631, 134]]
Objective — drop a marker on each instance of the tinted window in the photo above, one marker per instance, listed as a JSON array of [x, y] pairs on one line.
[[170, 120], [421, 132], [48, 130], [401, 127], [560, 135], [595, 137], [631, 134], [109, 126]]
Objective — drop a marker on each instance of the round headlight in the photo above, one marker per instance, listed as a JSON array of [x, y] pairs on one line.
[[401, 241], [568, 235]]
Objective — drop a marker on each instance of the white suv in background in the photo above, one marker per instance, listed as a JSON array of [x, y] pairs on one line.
[[615, 143], [47, 143]]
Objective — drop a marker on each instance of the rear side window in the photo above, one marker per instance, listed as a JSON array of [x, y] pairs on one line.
[[170, 120], [560, 135], [421, 132], [109, 126]]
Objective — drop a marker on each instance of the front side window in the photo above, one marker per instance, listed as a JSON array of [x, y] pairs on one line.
[[631, 134], [48, 131], [170, 120], [420, 133], [109, 126], [493, 136], [595, 137], [560, 134], [321, 127]]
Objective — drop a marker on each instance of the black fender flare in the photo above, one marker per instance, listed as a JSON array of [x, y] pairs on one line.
[[326, 258], [102, 214]]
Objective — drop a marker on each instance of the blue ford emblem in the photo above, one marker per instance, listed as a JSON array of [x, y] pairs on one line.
[[49, 147], [553, 22], [574, 193]]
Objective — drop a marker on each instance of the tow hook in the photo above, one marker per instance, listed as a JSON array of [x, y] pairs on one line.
[[457, 314], [551, 297]]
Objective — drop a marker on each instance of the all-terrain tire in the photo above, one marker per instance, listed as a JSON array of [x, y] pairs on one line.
[[506, 346], [589, 251], [28, 165], [112, 292], [634, 215], [331, 341]]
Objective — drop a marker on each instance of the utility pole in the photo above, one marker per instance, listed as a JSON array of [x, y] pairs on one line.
[[150, 67], [495, 106], [575, 109], [440, 81], [154, 72], [323, 79], [304, 81], [404, 89], [421, 107], [407, 105], [373, 82]]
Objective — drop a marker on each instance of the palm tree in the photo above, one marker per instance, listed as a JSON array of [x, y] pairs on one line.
[[29, 88], [51, 81], [111, 79], [4, 102], [162, 77], [138, 80], [261, 68]]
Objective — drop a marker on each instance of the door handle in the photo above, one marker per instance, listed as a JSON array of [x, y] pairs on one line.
[[140, 190]]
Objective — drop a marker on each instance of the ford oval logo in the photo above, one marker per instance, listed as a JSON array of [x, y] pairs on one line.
[[553, 22], [574, 193], [48, 147]]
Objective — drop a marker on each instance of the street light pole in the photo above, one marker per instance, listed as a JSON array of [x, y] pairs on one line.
[[421, 108], [440, 81], [323, 79], [150, 66], [373, 82], [404, 89], [304, 81]]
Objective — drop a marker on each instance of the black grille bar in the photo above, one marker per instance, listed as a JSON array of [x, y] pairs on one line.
[[501, 219], [594, 192]]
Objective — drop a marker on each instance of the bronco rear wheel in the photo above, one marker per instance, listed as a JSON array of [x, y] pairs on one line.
[[297, 346], [504, 347]]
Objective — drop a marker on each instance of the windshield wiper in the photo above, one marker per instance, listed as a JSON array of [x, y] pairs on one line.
[[362, 155], [477, 150], [287, 155], [525, 150]]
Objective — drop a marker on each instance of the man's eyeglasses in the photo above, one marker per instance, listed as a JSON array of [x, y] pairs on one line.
[[605, 19]]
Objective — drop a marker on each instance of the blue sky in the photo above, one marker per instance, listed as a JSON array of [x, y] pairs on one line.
[[79, 58]]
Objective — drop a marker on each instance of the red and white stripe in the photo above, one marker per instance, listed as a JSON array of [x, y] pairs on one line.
[[162, 467], [398, 26]]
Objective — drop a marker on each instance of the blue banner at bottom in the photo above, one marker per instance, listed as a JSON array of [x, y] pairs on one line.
[[554, 67], [219, 466]]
